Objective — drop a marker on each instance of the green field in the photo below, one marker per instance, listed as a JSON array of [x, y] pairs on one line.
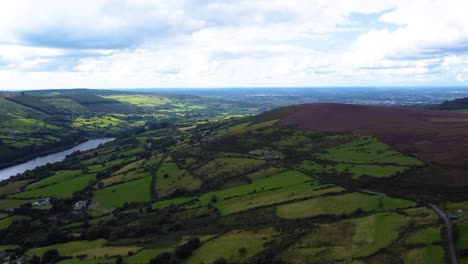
[[12, 187], [425, 236], [6, 222], [6, 204], [64, 189], [117, 195], [366, 156], [426, 255], [140, 100], [225, 167], [92, 249], [272, 183], [346, 239], [340, 205], [170, 178], [124, 177], [462, 241], [96, 122], [228, 246], [54, 179], [145, 255], [368, 150], [280, 187]]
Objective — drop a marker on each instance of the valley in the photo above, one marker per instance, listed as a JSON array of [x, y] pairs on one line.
[[180, 185]]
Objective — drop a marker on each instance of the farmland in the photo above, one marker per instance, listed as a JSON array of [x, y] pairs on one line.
[[331, 242], [230, 190], [117, 195], [340, 204]]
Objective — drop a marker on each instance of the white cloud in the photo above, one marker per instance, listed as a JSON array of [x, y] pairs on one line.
[[158, 43]]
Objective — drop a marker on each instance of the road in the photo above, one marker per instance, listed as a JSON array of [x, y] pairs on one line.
[[451, 244]]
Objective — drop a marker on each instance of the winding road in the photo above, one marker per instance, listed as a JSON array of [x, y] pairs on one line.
[[451, 244]]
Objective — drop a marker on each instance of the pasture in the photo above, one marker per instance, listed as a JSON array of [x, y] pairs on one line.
[[340, 205], [117, 195], [232, 246], [60, 190], [347, 239], [428, 254], [226, 167], [170, 178]]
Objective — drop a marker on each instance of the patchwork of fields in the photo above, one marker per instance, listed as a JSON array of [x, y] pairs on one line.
[[237, 191]]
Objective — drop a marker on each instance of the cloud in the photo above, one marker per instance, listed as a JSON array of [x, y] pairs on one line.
[[157, 43]]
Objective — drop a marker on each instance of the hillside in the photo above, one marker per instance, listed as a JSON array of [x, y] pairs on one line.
[[436, 137], [285, 186], [58, 119]]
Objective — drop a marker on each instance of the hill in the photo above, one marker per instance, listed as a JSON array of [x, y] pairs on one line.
[[58, 119], [300, 184], [460, 104]]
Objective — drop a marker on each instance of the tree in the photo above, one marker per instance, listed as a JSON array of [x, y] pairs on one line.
[[220, 261], [242, 251], [214, 198], [183, 251], [162, 258], [35, 260], [50, 256]]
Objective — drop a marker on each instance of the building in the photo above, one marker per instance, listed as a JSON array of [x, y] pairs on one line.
[[80, 205], [42, 202]]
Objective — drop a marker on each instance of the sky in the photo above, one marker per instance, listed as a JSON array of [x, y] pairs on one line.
[[238, 43]]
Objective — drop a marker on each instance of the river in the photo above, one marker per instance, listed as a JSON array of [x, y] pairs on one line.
[[51, 158]]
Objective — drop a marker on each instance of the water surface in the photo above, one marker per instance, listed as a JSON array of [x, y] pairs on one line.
[[51, 158]]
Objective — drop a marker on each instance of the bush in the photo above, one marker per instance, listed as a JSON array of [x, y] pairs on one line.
[[164, 258], [50, 256], [220, 261]]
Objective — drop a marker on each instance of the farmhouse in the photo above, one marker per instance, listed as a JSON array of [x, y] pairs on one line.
[[42, 202], [80, 205]]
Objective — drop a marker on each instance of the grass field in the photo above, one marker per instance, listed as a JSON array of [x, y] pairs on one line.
[[125, 177], [132, 166], [283, 186], [368, 150], [117, 195], [346, 239], [96, 122], [54, 179], [265, 172], [5, 247], [462, 241], [228, 246], [280, 195], [425, 236], [366, 156], [64, 189], [141, 100], [93, 249], [6, 222], [340, 205], [170, 178], [145, 255], [6, 204], [426, 255], [12, 187], [284, 179], [225, 167], [174, 201]]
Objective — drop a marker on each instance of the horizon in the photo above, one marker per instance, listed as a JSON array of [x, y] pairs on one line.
[[223, 44]]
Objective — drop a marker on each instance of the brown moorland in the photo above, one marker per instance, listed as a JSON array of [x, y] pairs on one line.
[[440, 138]]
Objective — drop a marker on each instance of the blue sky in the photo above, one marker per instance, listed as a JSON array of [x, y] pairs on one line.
[[232, 43]]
